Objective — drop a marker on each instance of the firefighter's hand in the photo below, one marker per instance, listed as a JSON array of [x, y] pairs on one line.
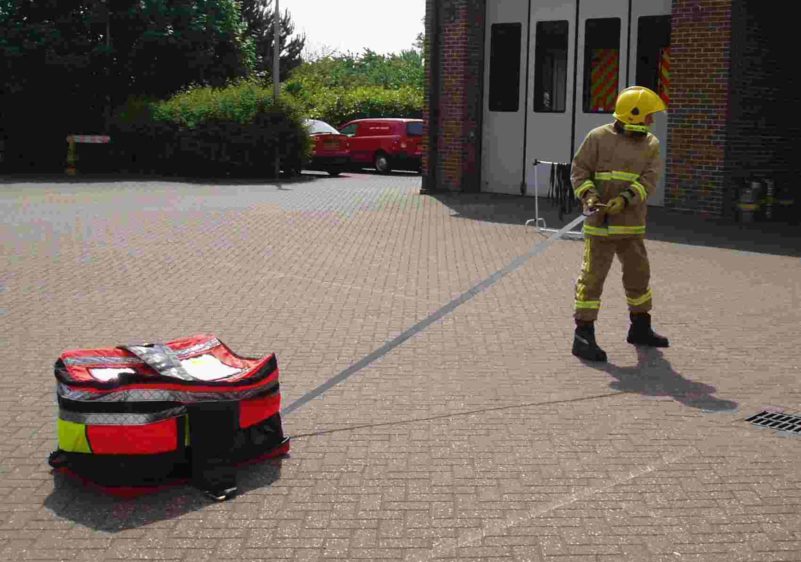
[[591, 203], [615, 206]]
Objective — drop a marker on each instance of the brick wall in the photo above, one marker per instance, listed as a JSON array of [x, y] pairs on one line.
[[461, 31], [735, 85], [765, 94], [733, 113], [428, 178], [697, 120]]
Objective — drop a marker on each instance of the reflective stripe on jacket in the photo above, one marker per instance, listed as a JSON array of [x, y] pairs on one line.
[[612, 162]]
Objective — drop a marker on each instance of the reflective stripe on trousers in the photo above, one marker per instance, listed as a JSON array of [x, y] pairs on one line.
[[598, 256]]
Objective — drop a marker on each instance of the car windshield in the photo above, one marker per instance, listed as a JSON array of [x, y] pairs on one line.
[[414, 129], [316, 127]]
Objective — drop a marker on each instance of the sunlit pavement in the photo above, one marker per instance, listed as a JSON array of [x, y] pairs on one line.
[[465, 433]]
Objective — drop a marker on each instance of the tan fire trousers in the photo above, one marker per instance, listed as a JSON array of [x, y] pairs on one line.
[[598, 255]]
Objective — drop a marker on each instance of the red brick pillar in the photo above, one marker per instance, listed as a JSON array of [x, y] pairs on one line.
[[699, 105], [454, 59], [430, 96]]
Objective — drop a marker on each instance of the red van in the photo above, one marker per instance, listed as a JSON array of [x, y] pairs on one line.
[[385, 143]]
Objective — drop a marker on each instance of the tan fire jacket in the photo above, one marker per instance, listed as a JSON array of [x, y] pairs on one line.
[[612, 162]]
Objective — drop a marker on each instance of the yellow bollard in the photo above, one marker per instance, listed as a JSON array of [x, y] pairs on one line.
[[72, 157]]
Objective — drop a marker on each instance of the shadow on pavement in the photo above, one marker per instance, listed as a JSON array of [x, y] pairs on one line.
[[654, 376], [154, 178], [777, 238], [87, 506], [305, 176], [373, 172]]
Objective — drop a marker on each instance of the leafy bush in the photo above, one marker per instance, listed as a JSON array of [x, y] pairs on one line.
[[338, 89], [208, 131], [239, 102], [368, 69], [339, 106]]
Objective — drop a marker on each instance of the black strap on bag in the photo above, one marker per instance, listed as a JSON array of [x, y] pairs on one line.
[[212, 426], [212, 431]]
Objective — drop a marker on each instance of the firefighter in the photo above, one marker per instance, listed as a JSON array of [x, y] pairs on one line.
[[617, 165]]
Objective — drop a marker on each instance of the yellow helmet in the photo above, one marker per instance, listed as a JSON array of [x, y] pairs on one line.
[[634, 104]]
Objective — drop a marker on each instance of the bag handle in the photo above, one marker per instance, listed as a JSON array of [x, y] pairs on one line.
[[160, 358]]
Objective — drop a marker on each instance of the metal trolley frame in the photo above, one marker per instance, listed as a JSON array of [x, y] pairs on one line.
[[577, 234]]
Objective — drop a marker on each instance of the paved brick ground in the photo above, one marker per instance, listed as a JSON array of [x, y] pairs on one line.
[[479, 438]]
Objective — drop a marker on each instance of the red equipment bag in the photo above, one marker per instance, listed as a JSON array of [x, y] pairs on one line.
[[140, 416]]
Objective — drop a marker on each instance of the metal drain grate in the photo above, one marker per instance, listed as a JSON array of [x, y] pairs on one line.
[[777, 420]]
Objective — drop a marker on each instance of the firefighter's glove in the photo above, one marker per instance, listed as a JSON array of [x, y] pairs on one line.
[[590, 203], [615, 206]]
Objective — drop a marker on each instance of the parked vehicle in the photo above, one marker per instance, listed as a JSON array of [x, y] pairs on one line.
[[331, 151], [386, 143]]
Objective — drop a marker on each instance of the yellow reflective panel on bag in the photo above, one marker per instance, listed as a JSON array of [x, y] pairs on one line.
[[72, 437]]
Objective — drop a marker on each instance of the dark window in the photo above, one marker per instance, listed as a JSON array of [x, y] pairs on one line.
[[653, 54], [550, 75], [601, 64], [350, 130], [414, 129], [504, 94]]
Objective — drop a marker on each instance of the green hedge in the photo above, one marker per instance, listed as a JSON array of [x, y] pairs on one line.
[[237, 130], [338, 89], [338, 105], [210, 132]]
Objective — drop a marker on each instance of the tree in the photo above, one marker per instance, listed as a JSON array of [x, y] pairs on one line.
[[258, 18], [161, 46], [420, 40], [155, 46], [58, 63], [316, 54], [368, 69]]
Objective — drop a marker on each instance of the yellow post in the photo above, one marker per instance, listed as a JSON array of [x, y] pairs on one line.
[[72, 157]]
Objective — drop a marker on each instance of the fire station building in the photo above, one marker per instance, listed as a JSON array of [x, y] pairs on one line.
[[514, 81]]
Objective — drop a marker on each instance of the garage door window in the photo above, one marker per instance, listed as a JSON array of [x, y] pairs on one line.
[[550, 74], [653, 54], [504, 72], [601, 64]]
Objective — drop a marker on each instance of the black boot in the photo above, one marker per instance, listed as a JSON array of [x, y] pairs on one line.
[[640, 332], [584, 345]]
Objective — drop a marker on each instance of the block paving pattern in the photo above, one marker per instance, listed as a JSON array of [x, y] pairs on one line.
[[479, 438]]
